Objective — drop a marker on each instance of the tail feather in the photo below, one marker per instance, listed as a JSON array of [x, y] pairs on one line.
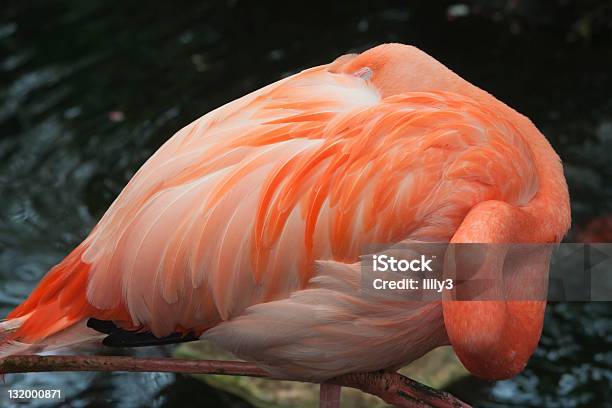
[[13, 347], [56, 312], [8, 346], [76, 334]]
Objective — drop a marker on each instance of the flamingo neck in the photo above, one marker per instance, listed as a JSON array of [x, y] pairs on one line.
[[551, 201]]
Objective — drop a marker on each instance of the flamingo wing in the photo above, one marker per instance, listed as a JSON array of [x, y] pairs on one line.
[[193, 223]]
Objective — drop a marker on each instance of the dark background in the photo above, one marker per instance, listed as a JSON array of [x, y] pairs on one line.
[[90, 89]]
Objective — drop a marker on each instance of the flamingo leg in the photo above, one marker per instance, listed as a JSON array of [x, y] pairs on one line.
[[329, 396]]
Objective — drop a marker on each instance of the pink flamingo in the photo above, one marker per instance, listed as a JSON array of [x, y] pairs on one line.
[[246, 227]]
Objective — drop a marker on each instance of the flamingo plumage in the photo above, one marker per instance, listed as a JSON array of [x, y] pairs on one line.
[[247, 226]]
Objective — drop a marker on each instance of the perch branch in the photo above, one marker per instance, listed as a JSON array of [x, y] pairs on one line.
[[392, 387]]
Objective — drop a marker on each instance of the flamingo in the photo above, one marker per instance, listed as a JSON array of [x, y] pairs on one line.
[[247, 226]]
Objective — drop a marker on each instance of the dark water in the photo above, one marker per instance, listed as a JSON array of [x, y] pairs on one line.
[[89, 89]]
